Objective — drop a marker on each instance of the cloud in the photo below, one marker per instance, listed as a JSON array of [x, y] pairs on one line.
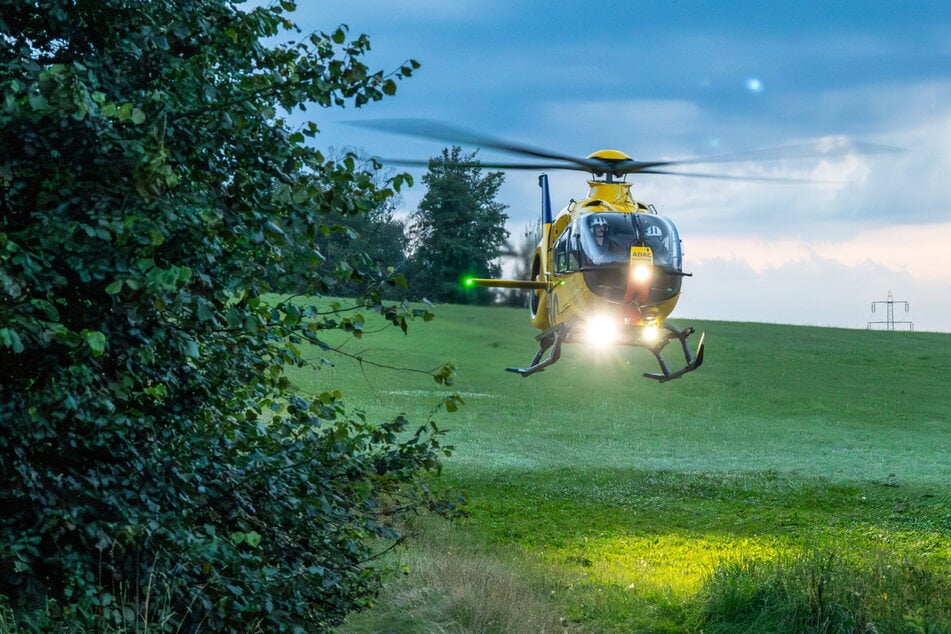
[[810, 291], [918, 251], [904, 188]]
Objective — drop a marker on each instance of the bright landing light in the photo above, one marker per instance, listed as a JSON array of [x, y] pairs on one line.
[[602, 330], [642, 273]]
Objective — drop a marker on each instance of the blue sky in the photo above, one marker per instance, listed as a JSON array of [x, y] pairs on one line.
[[667, 80]]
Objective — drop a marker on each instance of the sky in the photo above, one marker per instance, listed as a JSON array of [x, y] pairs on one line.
[[676, 79]]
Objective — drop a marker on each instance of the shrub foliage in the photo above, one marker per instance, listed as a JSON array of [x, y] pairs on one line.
[[155, 463]]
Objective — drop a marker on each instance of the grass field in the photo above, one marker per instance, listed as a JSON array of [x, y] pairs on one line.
[[799, 481]]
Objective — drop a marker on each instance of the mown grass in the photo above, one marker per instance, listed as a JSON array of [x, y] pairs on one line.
[[799, 481]]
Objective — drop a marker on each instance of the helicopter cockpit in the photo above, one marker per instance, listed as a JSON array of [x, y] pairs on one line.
[[599, 244], [607, 238]]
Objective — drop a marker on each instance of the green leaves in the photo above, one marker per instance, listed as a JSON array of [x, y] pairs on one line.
[[12, 340], [123, 113], [152, 197], [95, 341], [251, 538]]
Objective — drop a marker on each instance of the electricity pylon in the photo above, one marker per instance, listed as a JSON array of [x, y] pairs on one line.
[[890, 313]]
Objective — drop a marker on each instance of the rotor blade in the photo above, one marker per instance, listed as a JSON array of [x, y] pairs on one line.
[[726, 177], [818, 149], [424, 128], [615, 170], [488, 165]]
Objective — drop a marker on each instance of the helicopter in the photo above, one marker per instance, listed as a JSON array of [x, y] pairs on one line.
[[608, 269]]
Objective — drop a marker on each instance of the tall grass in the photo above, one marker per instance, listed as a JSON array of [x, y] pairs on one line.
[[449, 581], [130, 609], [824, 592], [694, 505]]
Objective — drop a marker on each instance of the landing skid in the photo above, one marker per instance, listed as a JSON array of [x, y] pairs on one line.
[[550, 341], [691, 361]]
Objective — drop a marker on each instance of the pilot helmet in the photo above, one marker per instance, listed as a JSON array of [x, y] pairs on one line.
[[598, 221]]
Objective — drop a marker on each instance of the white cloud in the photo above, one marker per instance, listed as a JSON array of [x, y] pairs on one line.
[[814, 291], [919, 251]]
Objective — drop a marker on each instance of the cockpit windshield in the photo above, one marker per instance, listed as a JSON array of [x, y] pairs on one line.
[[607, 238]]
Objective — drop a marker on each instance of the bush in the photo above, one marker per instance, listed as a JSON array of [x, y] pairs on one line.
[[156, 464]]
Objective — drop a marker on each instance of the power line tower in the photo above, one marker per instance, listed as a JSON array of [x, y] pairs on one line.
[[890, 314]]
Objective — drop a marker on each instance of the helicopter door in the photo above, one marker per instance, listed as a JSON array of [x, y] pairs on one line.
[[566, 252]]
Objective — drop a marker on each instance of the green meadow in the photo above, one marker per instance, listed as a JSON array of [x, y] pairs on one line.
[[800, 481]]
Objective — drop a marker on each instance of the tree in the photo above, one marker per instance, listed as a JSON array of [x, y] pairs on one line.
[[366, 251], [156, 466], [458, 229]]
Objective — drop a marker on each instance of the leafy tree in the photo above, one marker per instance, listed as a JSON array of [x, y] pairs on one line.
[[366, 251], [156, 466], [458, 230]]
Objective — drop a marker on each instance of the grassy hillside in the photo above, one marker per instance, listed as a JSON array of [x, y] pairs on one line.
[[799, 481]]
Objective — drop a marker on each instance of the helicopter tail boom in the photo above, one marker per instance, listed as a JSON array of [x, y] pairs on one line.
[[523, 284]]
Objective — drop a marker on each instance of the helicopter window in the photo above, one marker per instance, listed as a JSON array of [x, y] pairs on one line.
[[661, 236], [606, 238], [561, 262], [572, 262], [565, 252]]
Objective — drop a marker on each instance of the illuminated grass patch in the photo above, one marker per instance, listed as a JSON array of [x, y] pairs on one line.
[[667, 564], [646, 551]]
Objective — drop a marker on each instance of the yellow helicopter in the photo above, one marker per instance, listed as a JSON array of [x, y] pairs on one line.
[[608, 269]]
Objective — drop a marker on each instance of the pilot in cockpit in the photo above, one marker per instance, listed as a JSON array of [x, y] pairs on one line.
[[599, 227]]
